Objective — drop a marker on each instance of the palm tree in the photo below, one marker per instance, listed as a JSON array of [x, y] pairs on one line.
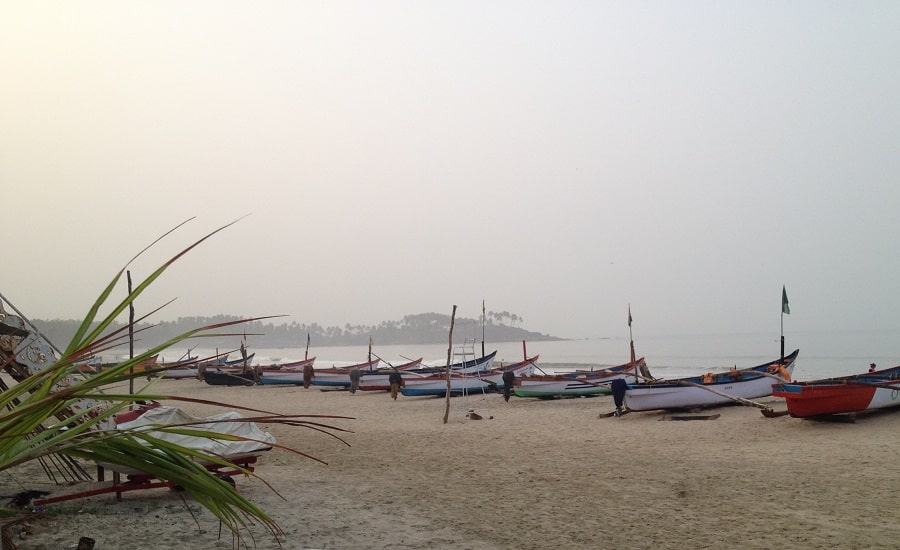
[[53, 410]]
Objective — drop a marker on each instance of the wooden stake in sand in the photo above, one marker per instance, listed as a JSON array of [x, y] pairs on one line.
[[449, 349]]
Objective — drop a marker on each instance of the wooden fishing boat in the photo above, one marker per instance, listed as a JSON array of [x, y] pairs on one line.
[[243, 361], [340, 376], [378, 380], [521, 369], [436, 385], [227, 378], [293, 365], [93, 368], [842, 395], [180, 373], [473, 366], [286, 373], [283, 373], [461, 382], [218, 361], [577, 384], [709, 390]]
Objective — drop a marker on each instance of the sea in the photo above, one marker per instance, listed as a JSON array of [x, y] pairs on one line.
[[823, 354]]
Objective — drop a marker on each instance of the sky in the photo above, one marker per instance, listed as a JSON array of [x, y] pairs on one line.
[[563, 161]]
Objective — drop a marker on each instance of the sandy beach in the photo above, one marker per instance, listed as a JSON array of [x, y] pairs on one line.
[[529, 474]]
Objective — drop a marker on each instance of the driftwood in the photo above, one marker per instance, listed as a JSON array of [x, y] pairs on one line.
[[690, 417]]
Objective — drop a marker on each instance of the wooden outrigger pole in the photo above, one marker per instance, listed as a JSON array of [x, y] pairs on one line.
[[449, 351]]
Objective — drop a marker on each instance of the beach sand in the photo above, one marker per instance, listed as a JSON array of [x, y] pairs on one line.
[[529, 474]]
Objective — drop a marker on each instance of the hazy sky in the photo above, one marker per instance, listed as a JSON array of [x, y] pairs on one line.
[[559, 160]]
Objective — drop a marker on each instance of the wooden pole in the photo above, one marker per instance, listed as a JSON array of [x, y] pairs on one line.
[[130, 334], [449, 350]]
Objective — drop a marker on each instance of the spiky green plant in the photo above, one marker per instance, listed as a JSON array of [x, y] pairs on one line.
[[44, 413]]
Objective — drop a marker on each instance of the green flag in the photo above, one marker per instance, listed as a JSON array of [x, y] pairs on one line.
[[785, 308]]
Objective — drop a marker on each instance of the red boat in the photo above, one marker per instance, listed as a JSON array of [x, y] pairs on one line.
[[847, 394]]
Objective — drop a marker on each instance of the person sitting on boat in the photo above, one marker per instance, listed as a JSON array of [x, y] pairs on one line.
[[872, 367]]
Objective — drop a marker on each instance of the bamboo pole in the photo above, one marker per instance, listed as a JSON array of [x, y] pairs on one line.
[[449, 350]]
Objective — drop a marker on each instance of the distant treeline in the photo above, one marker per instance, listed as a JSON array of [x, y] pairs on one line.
[[423, 328]]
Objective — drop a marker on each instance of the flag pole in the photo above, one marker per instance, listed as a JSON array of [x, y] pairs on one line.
[[785, 308], [782, 337], [631, 343]]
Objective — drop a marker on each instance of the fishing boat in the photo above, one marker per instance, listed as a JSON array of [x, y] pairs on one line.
[[248, 360], [340, 376], [436, 385], [462, 382], [181, 372], [228, 378], [285, 373], [378, 380], [576, 384], [97, 366], [290, 366], [473, 366], [878, 389], [710, 390]]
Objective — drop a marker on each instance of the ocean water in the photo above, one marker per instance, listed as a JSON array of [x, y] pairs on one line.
[[822, 354]]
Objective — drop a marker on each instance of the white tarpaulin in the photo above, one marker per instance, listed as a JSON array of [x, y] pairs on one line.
[[222, 423]]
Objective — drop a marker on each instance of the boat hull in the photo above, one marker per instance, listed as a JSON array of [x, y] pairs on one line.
[[844, 395], [696, 392], [438, 386], [573, 388], [217, 378], [576, 384], [340, 376], [379, 380]]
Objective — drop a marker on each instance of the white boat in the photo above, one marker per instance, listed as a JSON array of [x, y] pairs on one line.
[[460, 382], [711, 389], [436, 385], [378, 380], [340, 376]]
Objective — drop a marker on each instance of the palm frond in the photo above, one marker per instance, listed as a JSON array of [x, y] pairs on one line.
[[59, 411]]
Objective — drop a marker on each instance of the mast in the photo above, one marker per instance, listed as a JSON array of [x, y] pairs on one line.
[[482, 327], [306, 353]]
